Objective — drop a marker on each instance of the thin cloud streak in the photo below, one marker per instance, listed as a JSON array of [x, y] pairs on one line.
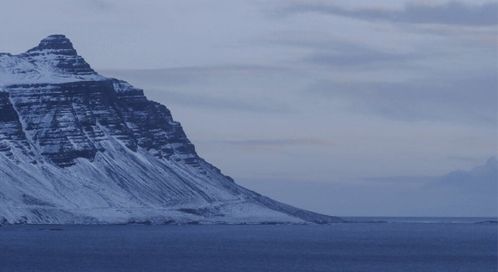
[[469, 100], [278, 142], [218, 102], [357, 57], [209, 87], [450, 13]]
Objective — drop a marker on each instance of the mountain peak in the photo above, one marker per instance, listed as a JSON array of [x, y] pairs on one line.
[[57, 42], [54, 59]]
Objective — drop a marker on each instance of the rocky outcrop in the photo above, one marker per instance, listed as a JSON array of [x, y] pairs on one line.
[[11, 131], [67, 121]]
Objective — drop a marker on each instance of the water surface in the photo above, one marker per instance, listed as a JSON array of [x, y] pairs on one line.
[[405, 247]]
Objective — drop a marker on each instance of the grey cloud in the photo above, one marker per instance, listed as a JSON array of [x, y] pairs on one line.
[[482, 179], [469, 100], [208, 101], [100, 5], [403, 179], [172, 86], [450, 13], [356, 56], [460, 193], [272, 143], [473, 191], [463, 159], [190, 74], [325, 50]]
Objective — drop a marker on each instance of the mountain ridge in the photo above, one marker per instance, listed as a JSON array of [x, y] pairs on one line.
[[77, 147]]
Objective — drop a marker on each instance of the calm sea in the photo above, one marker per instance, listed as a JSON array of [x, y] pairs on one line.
[[397, 244]]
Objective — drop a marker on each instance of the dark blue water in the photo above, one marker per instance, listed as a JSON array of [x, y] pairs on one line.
[[371, 247]]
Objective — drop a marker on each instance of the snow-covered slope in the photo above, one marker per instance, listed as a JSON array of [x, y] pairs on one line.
[[77, 147]]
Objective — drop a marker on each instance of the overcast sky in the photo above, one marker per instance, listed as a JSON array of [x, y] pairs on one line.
[[343, 107]]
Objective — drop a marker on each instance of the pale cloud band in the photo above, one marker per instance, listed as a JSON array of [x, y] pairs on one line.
[[449, 13]]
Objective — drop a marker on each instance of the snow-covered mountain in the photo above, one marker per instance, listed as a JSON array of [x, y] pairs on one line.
[[77, 147]]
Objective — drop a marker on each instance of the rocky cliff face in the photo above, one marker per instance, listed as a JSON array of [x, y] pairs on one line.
[[77, 147]]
